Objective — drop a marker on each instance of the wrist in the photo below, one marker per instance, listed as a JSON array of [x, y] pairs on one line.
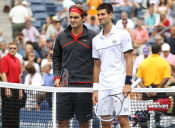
[[128, 80], [95, 86]]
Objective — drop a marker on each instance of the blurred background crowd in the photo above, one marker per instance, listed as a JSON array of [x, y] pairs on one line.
[[35, 25]]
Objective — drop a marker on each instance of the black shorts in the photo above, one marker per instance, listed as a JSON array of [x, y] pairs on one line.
[[79, 104]]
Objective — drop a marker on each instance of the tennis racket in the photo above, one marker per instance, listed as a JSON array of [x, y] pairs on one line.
[[115, 102], [65, 78]]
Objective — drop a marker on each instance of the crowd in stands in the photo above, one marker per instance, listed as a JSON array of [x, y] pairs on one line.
[[147, 21]]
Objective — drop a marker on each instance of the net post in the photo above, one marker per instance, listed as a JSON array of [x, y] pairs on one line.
[[54, 109]]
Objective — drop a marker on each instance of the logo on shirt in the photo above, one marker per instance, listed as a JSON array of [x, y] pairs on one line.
[[125, 109], [114, 41]]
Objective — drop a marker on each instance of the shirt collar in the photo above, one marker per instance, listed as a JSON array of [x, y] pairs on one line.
[[113, 30]]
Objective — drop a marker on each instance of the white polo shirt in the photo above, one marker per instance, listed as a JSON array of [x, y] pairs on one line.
[[18, 14], [110, 50]]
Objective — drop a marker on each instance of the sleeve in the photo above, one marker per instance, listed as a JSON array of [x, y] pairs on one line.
[[126, 41], [11, 13], [26, 81], [167, 71], [36, 32], [95, 53], [4, 65], [57, 57]]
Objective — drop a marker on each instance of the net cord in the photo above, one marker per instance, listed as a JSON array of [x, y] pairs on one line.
[[74, 89]]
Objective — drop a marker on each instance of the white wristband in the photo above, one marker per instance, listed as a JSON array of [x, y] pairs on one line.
[[95, 86]]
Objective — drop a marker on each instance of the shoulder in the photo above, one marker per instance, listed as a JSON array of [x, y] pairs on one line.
[[91, 33]]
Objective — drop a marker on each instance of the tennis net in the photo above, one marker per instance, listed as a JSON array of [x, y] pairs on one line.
[[150, 107]]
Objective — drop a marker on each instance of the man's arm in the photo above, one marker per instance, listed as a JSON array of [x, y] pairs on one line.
[[163, 83], [8, 92], [97, 64], [57, 62], [129, 67]]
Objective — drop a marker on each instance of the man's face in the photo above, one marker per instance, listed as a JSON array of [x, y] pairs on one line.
[[12, 50], [31, 57], [103, 17], [172, 31], [28, 25], [124, 16], [166, 53], [76, 20], [3, 45]]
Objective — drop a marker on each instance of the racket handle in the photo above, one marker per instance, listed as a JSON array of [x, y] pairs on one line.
[[136, 82], [59, 85]]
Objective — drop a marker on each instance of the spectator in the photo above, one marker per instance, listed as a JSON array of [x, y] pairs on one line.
[[141, 58], [150, 21], [154, 71], [48, 78], [130, 23], [152, 4], [51, 28], [33, 79], [159, 40], [4, 49], [92, 10], [20, 41], [28, 49], [163, 22], [125, 22], [47, 61], [169, 57], [1, 35], [31, 59], [50, 44], [58, 27], [64, 14], [18, 15], [31, 34], [11, 98], [43, 51], [171, 12], [162, 6], [171, 40], [140, 35], [92, 24], [45, 26]]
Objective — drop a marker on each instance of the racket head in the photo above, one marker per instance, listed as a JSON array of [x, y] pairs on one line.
[[108, 108], [65, 78]]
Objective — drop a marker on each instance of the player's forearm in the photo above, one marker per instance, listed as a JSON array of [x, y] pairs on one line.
[[96, 73], [4, 77], [163, 83], [129, 63]]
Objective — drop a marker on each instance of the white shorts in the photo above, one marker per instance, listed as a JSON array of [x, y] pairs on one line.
[[109, 103]]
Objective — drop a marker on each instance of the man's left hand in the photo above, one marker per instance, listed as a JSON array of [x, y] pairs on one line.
[[126, 90]]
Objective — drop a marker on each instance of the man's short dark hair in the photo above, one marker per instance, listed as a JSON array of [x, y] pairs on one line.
[[156, 49], [92, 17], [106, 6]]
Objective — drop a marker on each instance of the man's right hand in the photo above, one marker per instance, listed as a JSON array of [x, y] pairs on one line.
[[8, 92], [95, 97], [57, 83]]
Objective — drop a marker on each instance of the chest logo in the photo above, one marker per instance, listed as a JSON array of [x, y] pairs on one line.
[[114, 41]]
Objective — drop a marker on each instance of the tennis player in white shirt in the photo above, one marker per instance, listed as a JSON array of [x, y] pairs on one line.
[[112, 52]]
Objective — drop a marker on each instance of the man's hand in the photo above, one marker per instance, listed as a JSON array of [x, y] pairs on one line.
[[8, 92], [126, 90], [95, 97], [57, 83], [20, 94]]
